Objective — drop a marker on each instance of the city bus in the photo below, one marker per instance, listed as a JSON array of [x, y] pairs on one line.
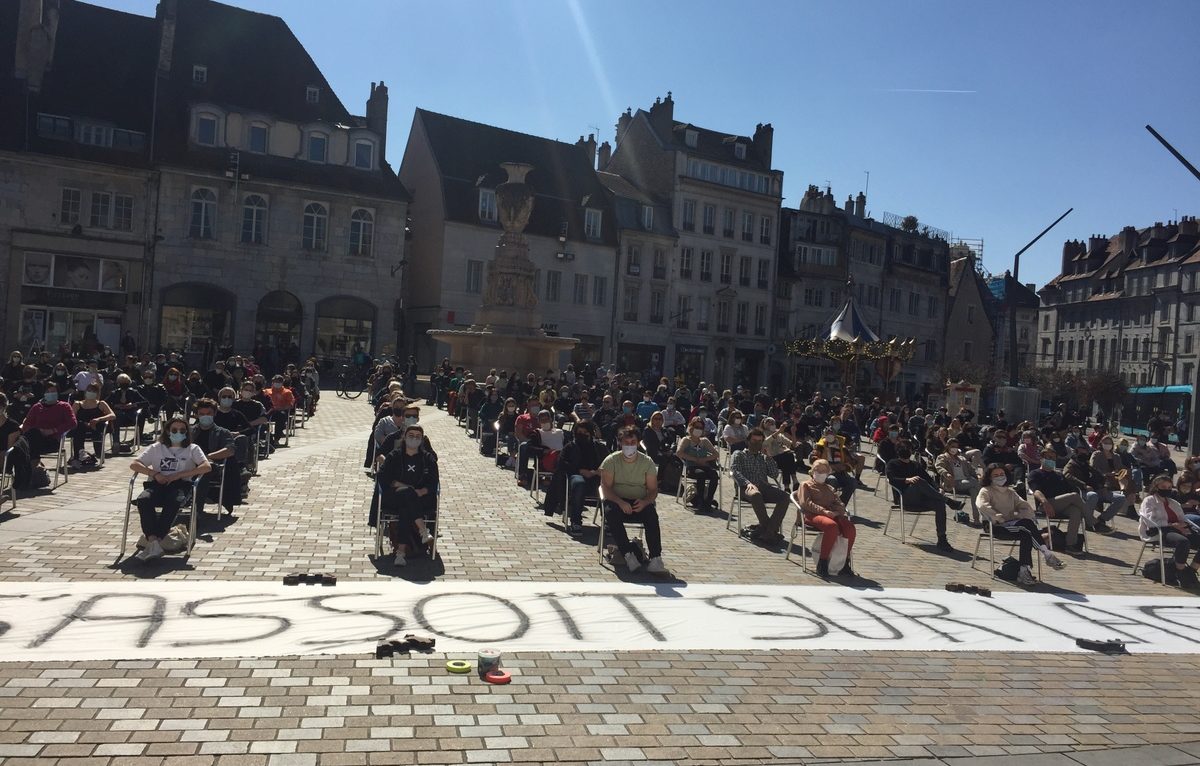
[[1141, 403]]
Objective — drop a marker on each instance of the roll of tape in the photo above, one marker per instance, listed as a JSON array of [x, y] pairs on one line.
[[497, 677], [458, 666]]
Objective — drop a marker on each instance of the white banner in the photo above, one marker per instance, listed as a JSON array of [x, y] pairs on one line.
[[153, 620]]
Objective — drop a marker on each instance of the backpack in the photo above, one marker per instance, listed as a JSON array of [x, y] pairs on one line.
[[487, 444], [1153, 571], [669, 476], [1009, 569]]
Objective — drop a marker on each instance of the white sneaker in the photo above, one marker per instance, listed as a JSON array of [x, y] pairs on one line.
[[399, 560], [656, 565], [1054, 561], [1025, 577], [631, 562], [426, 537], [143, 554], [154, 550]]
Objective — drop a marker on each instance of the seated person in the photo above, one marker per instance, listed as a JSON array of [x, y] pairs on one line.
[[218, 445], [128, 405], [1011, 517], [832, 449], [283, 401], [824, 511], [523, 428], [919, 492], [1030, 452], [47, 422], [92, 416], [853, 458], [629, 487], [699, 457], [674, 421], [170, 463], [388, 425], [23, 391], [736, 432], [490, 409], [1093, 486], [778, 447], [1108, 463], [195, 386], [1159, 512], [1153, 457], [1000, 451], [656, 441], [752, 471], [543, 442], [885, 449], [958, 475], [228, 416], [1058, 497], [408, 479], [580, 465]]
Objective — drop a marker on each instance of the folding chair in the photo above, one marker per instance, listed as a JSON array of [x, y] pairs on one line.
[[218, 466], [8, 482], [431, 522], [117, 428], [991, 538], [899, 490], [801, 527], [635, 525], [254, 443], [61, 469], [1152, 543], [588, 498], [535, 486], [685, 481], [195, 481]]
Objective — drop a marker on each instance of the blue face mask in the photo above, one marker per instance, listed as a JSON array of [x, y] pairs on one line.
[[226, 402], [1048, 464], [51, 397], [205, 420], [177, 438]]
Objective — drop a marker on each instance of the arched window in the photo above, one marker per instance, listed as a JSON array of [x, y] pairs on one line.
[[204, 213], [362, 232], [316, 224], [254, 220]]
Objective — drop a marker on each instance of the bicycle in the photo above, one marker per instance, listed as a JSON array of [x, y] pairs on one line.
[[352, 381]]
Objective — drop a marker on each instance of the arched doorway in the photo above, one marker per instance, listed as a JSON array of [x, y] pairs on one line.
[[344, 324], [196, 319], [277, 327]]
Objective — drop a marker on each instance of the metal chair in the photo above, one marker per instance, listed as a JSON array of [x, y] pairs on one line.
[[594, 500], [117, 428], [61, 469], [8, 482], [1153, 544], [685, 481], [991, 538], [194, 516], [899, 491], [636, 525], [431, 521]]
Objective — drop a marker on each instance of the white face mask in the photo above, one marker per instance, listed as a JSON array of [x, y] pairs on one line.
[[999, 481], [820, 478], [628, 450], [697, 433], [412, 442]]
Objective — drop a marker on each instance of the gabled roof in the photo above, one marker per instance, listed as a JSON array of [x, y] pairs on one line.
[[717, 146], [468, 156], [627, 202]]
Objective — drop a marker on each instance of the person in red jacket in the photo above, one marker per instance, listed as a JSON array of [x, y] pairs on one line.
[[47, 422], [283, 401]]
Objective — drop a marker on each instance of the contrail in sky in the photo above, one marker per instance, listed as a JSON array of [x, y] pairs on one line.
[[927, 90]]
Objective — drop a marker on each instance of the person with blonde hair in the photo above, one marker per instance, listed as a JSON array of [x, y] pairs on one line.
[[823, 509]]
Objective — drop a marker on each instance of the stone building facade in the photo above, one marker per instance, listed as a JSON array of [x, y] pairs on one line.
[[1126, 303], [715, 303], [970, 340], [206, 190]]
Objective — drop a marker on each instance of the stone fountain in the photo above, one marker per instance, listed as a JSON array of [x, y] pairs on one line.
[[507, 333]]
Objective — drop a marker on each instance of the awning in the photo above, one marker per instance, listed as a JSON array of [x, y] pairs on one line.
[[850, 325]]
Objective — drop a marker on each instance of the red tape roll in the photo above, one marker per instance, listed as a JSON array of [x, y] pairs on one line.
[[497, 677]]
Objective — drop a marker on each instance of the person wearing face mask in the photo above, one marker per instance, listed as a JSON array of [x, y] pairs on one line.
[[408, 479], [216, 378], [523, 429], [1107, 461], [1058, 497], [62, 380], [176, 391], [752, 471], [128, 404], [1153, 456], [699, 457], [832, 448], [283, 401], [170, 463], [24, 392], [1002, 452], [958, 475], [386, 426], [580, 467], [778, 446], [87, 376], [218, 446], [231, 419], [735, 432], [1160, 512], [920, 495], [824, 511], [674, 420], [490, 409], [15, 367], [1092, 485], [505, 433], [92, 417], [1012, 518], [629, 487], [545, 444]]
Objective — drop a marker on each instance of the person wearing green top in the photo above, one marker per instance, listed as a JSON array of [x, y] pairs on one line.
[[629, 486]]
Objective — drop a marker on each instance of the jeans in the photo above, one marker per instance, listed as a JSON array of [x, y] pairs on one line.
[[1173, 538], [615, 518], [758, 501], [1116, 504], [1072, 506], [165, 496], [970, 488], [845, 483], [578, 488]]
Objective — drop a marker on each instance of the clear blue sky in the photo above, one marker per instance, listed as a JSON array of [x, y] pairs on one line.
[[1057, 93]]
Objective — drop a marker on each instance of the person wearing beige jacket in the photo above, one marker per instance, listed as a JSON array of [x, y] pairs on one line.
[[958, 475], [823, 510], [1011, 518]]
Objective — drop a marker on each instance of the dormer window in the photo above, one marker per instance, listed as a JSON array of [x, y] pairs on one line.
[[364, 155], [739, 150], [312, 95], [257, 138], [318, 145], [206, 130], [199, 74], [487, 205], [591, 223], [647, 217], [690, 137]]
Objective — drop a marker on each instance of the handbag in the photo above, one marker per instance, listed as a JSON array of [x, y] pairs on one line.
[[839, 554], [549, 461]]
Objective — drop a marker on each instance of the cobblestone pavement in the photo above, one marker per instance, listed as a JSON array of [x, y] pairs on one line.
[[307, 513]]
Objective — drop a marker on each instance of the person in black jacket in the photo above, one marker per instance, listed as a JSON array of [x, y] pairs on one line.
[[919, 491], [580, 464], [408, 480]]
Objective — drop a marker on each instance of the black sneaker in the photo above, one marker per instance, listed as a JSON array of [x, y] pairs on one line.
[[1102, 529], [955, 504], [944, 545]]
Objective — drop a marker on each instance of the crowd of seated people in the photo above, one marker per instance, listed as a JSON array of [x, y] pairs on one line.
[[120, 404]]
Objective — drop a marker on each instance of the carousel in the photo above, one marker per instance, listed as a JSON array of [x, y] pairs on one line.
[[852, 343]]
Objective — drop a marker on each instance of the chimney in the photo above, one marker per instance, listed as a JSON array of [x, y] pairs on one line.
[[167, 13], [764, 137], [37, 27], [622, 124], [1187, 225], [588, 146], [827, 203], [1129, 238], [377, 109], [605, 156], [860, 205], [850, 205], [662, 116]]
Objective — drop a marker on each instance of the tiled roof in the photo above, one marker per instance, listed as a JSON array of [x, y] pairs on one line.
[[468, 156], [627, 202], [716, 146]]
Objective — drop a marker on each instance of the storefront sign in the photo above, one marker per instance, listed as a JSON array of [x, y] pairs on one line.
[[78, 299], [684, 349]]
